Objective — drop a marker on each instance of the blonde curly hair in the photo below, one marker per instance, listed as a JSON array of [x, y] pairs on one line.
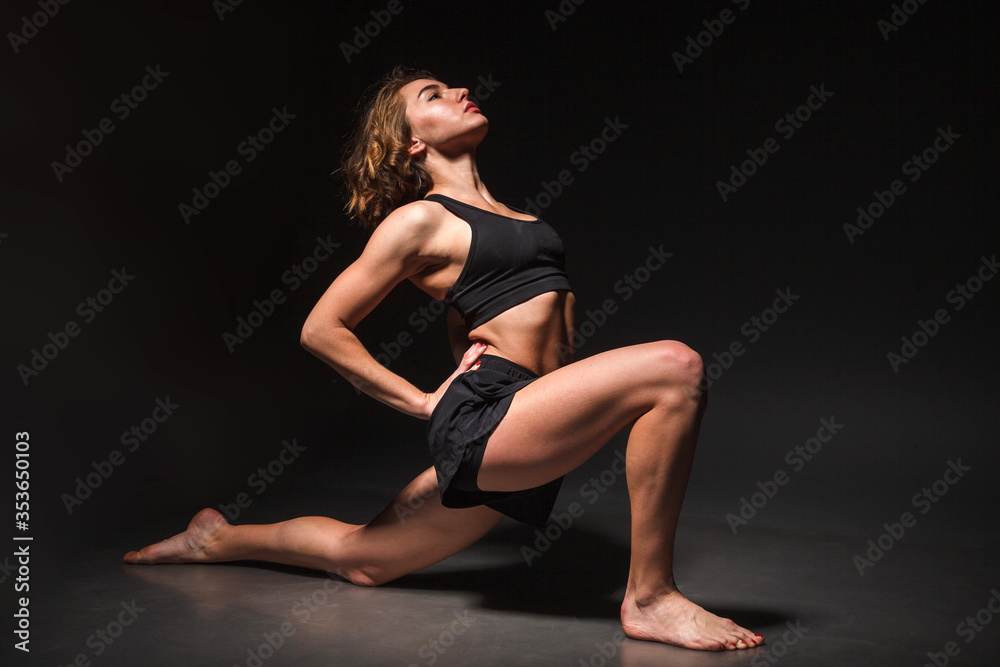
[[381, 174]]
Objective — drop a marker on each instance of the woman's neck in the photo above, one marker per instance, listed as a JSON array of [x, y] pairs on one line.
[[457, 177]]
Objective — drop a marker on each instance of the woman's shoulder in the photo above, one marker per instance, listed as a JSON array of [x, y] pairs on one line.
[[416, 215], [410, 224]]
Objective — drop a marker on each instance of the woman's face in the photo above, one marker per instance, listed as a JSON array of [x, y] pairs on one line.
[[442, 118]]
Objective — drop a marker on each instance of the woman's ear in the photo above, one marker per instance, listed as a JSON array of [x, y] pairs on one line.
[[417, 147]]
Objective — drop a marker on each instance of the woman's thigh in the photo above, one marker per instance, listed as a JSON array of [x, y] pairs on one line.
[[416, 530], [561, 419]]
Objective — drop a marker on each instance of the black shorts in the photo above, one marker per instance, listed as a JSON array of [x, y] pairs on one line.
[[459, 429]]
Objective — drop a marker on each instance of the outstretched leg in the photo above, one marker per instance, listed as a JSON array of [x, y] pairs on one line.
[[560, 420], [414, 531]]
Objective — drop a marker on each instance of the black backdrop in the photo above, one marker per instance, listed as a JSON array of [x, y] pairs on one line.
[[678, 115]]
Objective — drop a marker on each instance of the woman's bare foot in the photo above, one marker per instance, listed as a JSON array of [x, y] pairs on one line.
[[191, 546], [671, 618]]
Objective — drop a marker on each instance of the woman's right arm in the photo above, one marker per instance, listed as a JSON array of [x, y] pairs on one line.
[[395, 252]]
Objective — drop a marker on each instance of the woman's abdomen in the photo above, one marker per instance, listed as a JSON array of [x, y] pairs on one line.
[[533, 334]]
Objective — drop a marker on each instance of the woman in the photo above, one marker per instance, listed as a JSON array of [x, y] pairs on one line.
[[514, 417]]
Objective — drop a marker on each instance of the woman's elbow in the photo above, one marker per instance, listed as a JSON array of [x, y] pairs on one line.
[[322, 339], [308, 337]]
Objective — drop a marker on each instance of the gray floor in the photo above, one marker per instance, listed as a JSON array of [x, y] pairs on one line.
[[797, 586]]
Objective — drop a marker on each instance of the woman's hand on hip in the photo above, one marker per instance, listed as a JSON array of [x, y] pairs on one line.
[[469, 360]]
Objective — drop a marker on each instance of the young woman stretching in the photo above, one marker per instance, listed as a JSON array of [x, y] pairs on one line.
[[515, 416]]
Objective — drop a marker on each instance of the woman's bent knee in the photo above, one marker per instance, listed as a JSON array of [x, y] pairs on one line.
[[367, 573], [366, 577], [680, 367]]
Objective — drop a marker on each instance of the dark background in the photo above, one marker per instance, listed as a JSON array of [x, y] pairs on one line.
[[162, 336]]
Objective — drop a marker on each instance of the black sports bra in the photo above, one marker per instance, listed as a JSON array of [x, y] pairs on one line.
[[509, 262]]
